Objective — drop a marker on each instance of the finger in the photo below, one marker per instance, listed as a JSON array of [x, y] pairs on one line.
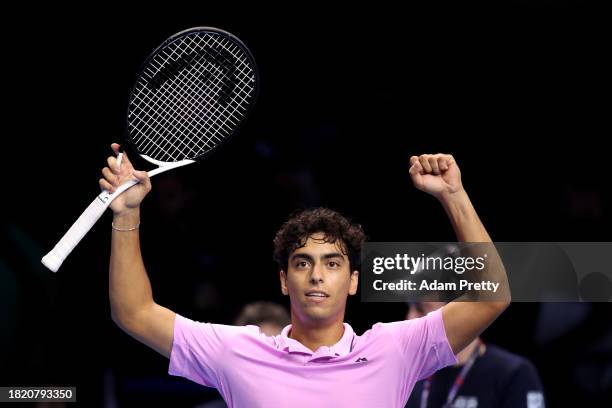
[[105, 185], [143, 178], [115, 147], [416, 173], [112, 164], [416, 168], [110, 176], [442, 163], [425, 163], [433, 162], [125, 157], [449, 159], [413, 159]]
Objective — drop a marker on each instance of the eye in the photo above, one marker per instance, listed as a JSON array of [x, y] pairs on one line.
[[301, 264], [334, 264]]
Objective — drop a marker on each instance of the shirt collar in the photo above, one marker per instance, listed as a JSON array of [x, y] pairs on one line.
[[341, 348]]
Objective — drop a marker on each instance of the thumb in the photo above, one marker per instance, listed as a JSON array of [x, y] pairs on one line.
[[142, 177]]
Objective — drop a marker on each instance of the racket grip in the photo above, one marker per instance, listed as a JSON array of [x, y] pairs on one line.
[[54, 259]]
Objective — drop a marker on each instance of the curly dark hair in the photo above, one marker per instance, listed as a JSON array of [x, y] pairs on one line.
[[334, 226]]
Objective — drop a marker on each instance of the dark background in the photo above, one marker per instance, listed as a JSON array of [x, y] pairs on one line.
[[514, 91]]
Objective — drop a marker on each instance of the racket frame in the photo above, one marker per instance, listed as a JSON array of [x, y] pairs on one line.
[[128, 137], [54, 259]]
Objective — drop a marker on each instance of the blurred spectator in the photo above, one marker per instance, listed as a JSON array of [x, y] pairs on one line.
[[270, 317], [485, 376]]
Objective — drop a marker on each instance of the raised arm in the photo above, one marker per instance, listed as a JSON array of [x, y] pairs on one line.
[[132, 306], [439, 175]]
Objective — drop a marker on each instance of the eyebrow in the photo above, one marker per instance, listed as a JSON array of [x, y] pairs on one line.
[[322, 257]]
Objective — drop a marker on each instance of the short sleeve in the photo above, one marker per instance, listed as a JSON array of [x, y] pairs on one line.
[[197, 349], [423, 343]]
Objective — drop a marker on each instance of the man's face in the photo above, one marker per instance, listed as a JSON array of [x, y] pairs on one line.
[[318, 281]]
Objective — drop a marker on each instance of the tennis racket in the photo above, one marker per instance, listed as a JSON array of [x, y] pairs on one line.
[[190, 96]]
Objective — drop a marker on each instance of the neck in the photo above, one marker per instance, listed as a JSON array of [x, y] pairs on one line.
[[464, 355], [317, 336]]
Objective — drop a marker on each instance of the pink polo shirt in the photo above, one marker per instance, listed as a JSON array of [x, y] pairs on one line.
[[250, 369]]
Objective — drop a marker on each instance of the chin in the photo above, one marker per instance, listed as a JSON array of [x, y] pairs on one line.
[[317, 315]]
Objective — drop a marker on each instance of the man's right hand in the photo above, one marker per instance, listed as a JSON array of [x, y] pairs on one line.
[[113, 177]]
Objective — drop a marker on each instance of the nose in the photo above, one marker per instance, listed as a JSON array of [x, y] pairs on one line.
[[316, 275]]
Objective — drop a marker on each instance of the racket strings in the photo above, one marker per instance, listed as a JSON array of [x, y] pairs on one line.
[[188, 80], [190, 83], [191, 96]]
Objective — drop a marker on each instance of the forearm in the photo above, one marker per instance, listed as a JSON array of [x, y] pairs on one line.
[[129, 286], [469, 228], [463, 217], [467, 316]]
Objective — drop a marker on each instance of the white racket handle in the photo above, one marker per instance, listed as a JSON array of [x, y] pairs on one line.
[[53, 260]]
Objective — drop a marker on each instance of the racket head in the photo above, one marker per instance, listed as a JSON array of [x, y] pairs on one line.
[[191, 95]]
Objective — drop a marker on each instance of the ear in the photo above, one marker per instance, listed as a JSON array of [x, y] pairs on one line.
[[283, 281], [354, 283]]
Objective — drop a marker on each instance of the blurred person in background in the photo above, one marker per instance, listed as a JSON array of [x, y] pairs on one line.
[[485, 376], [270, 317]]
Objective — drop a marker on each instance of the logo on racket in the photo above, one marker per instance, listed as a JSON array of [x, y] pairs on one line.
[[216, 64]]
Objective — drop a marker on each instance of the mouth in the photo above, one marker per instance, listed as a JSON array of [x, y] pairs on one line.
[[316, 295]]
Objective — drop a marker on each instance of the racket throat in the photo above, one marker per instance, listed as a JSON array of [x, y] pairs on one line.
[[164, 166]]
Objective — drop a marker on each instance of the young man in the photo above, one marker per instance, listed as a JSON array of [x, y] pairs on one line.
[[317, 360]]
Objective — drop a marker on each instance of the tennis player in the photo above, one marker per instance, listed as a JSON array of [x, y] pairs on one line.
[[317, 360]]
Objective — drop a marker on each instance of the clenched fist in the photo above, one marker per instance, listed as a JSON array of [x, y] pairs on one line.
[[436, 174]]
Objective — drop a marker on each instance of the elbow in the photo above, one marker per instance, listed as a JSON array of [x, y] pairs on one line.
[[501, 305], [507, 299], [128, 320], [122, 320], [118, 319], [115, 317], [504, 298], [127, 324]]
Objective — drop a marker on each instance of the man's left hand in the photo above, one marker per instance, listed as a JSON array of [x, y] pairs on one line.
[[436, 174]]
